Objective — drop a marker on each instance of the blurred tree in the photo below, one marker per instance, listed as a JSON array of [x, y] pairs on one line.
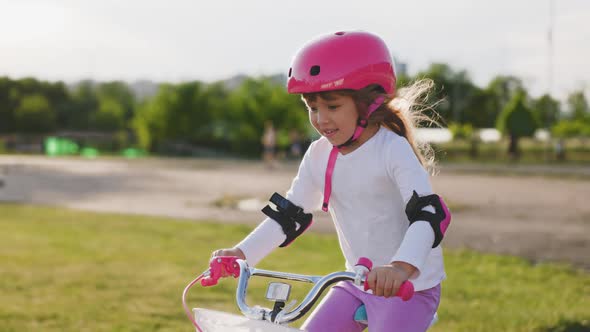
[[7, 106], [55, 93], [403, 81], [571, 129], [120, 93], [34, 115], [578, 106], [441, 74], [110, 116], [98, 107], [211, 115], [480, 109], [12, 92], [28, 86], [254, 102], [215, 133], [189, 113], [461, 132], [246, 114], [59, 100], [81, 111], [516, 121], [452, 95], [502, 90], [466, 133], [151, 119], [547, 110]]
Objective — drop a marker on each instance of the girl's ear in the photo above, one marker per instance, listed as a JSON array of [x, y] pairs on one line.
[[359, 107]]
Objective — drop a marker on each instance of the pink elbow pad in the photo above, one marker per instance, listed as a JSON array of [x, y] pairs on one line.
[[439, 220]]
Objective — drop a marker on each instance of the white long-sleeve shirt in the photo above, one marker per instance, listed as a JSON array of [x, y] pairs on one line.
[[370, 188]]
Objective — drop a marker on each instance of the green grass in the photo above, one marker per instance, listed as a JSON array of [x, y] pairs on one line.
[[63, 270]]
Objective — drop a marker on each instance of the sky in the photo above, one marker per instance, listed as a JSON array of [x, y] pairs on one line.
[[182, 40]]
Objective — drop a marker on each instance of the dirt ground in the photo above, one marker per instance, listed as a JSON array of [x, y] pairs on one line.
[[540, 218]]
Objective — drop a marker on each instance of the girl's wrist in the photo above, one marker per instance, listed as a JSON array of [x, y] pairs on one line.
[[409, 269], [239, 253]]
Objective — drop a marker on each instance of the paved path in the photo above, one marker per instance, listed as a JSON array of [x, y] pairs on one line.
[[541, 218]]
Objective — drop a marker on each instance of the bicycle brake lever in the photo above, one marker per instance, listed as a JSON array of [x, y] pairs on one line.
[[220, 267]]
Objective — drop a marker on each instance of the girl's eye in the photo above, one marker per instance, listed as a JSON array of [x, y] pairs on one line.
[[313, 110], [333, 107]]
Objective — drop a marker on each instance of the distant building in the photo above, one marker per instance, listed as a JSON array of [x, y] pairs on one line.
[[235, 81], [401, 68], [144, 89], [444, 135], [488, 135], [434, 135]]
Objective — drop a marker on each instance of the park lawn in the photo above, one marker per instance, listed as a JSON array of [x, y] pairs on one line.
[[65, 270]]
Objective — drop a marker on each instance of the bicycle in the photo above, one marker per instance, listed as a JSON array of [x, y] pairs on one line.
[[277, 319]]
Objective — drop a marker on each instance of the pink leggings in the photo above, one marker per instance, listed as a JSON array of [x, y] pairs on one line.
[[336, 311]]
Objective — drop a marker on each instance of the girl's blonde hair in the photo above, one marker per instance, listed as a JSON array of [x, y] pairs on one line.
[[402, 113]]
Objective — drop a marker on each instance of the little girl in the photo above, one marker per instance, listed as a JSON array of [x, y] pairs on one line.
[[368, 172]]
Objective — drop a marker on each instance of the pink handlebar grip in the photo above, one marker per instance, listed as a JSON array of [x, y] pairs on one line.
[[220, 267], [405, 291], [364, 261]]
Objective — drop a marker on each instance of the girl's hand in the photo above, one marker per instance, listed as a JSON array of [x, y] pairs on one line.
[[228, 252], [385, 280]]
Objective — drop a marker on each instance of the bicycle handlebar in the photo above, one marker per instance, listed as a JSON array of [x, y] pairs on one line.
[[221, 266]]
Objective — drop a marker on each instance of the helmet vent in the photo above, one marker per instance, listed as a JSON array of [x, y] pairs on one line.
[[314, 71], [339, 33], [290, 71]]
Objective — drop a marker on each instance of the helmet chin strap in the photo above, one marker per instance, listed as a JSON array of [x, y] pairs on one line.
[[362, 123]]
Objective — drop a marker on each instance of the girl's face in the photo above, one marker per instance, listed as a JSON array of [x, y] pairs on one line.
[[334, 118]]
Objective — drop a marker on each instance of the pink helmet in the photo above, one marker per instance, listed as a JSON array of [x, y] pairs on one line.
[[342, 60]]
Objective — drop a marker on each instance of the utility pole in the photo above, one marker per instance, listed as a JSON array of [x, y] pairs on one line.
[[549, 77], [550, 49]]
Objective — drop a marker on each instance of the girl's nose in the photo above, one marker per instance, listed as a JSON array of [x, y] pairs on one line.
[[322, 116]]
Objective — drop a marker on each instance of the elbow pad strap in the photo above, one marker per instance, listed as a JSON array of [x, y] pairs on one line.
[[439, 220], [291, 217]]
